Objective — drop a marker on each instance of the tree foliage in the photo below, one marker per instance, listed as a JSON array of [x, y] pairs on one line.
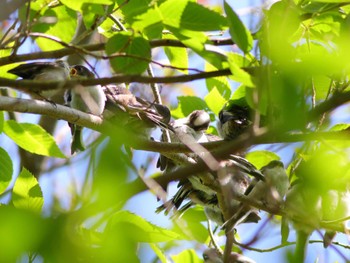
[[292, 69]]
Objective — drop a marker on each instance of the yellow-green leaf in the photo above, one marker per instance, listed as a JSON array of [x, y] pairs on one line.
[[32, 138], [6, 170], [214, 101], [27, 193]]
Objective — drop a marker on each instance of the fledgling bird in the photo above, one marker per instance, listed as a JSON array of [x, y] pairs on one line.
[[234, 119], [43, 71], [89, 99], [269, 192], [189, 130], [134, 111], [196, 190], [211, 255]]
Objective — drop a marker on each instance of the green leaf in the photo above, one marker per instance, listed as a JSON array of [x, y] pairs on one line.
[[284, 230], [148, 21], [135, 53], [187, 104], [239, 93], [20, 231], [340, 127], [139, 229], [193, 218], [239, 33], [186, 256], [238, 74], [159, 253], [221, 83], [214, 101], [6, 170], [2, 120], [63, 25], [91, 14], [134, 9], [32, 138], [190, 15], [26, 193], [261, 158], [80, 5], [177, 56], [5, 68]]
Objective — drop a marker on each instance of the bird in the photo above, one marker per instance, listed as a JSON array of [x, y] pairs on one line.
[[134, 111], [188, 130], [89, 99], [235, 118], [212, 255], [43, 71], [335, 206], [198, 191], [269, 192]]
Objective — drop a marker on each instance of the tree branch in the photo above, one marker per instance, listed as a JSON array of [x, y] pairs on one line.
[[96, 47], [25, 85]]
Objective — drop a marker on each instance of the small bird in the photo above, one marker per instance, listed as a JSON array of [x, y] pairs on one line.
[[189, 130], [269, 192], [186, 130], [89, 99], [335, 206], [212, 255], [234, 119], [43, 71], [134, 111], [202, 189]]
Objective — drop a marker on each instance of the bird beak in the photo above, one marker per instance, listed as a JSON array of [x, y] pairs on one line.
[[73, 72]]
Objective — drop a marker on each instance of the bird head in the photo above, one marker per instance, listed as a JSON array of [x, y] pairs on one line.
[[80, 71]]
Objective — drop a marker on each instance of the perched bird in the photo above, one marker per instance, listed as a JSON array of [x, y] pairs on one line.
[[335, 206], [234, 119], [202, 189], [43, 71], [269, 192], [190, 129], [236, 179], [186, 130], [134, 111], [89, 99], [211, 255]]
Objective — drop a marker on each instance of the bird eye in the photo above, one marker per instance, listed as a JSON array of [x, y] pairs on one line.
[[205, 257]]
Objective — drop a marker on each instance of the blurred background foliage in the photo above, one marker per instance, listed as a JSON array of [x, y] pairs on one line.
[[288, 59]]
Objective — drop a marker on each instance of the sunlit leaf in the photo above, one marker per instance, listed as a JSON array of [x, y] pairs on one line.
[[220, 83], [238, 74], [2, 121], [26, 193], [261, 158], [214, 101], [193, 218], [186, 256], [139, 229], [80, 4], [178, 57], [20, 231], [6, 170], [340, 127], [158, 252], [190, 15], [239, 33], [187, 104], [32, 138], [133, 53], [61, 23]]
